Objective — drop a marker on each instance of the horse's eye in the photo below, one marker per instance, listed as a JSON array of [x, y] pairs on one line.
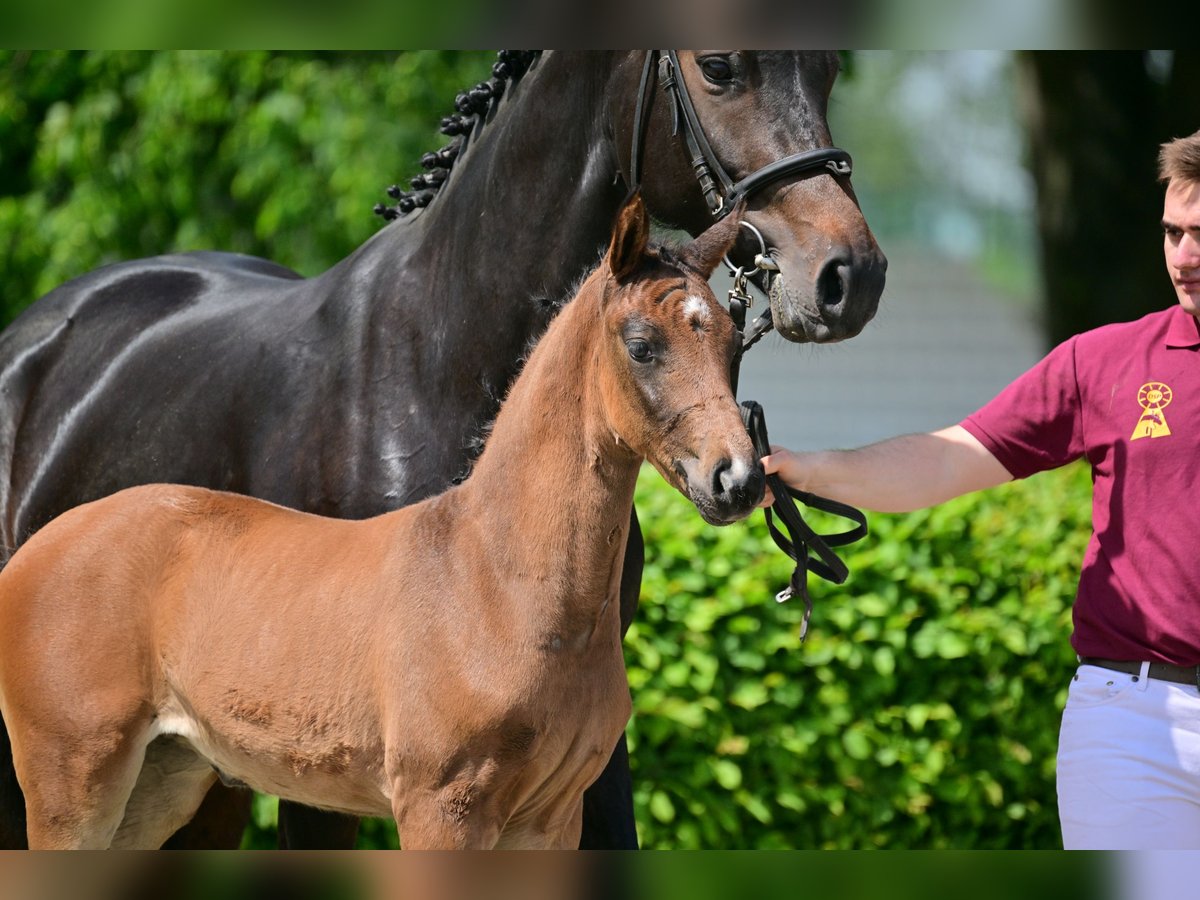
[[717, 69], [639, 350]]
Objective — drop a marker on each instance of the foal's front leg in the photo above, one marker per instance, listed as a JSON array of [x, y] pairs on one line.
[[76, 788], [447, 818], [558, 833]]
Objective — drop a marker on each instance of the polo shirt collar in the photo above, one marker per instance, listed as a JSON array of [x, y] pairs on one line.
[[1183, 330]]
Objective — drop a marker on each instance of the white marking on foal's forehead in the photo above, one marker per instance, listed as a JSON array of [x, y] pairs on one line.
[[695, 307]]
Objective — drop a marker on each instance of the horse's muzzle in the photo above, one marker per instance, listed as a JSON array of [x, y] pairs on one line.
[[833, 304], [726, 491]]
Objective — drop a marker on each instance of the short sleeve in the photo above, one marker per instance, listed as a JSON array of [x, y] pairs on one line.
[[1034, 424]]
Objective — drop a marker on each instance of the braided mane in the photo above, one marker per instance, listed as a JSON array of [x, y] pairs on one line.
[[472, 108]]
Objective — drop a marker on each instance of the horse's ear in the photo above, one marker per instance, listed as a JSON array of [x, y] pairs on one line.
[[630, 235], [706, 251]]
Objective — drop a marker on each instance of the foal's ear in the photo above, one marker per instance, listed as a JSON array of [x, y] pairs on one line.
[[630, 235], [706, 251]]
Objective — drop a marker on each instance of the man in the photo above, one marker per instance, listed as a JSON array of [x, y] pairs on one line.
[[1126, 397]]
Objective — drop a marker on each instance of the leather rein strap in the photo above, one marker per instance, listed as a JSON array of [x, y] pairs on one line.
[[800, 537], [721, 194]]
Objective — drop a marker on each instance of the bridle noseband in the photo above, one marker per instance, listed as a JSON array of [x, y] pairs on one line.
[[722, 194]]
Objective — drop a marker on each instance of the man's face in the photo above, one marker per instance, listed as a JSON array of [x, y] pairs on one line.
[[1181, 241]]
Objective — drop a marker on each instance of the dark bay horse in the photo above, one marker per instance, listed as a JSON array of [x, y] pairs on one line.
[[366, 388], [456, 664]]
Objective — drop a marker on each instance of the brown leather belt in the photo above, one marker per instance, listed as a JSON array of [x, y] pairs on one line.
[[1161, 671]]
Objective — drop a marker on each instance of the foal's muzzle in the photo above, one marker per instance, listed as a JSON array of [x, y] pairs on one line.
[[726, 491]]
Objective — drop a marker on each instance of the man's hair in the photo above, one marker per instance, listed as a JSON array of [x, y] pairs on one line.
[[1180, 158]]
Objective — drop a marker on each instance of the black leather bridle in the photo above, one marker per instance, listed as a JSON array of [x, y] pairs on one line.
[[722, 194]]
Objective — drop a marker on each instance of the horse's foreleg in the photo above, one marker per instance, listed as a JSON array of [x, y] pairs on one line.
[[608, 822], [631, 572], [558, 830], [76, 786], [305, 828], [451, 817], [219, 822], [568, 837], [170, 788], [12, 800]]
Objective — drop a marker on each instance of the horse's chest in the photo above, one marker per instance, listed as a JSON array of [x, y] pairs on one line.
[[581, 722], [520, 752]]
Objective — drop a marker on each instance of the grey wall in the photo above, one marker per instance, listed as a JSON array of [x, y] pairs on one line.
[[941, 346]]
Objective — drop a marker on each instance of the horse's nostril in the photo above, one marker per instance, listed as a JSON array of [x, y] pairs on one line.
[[737, 484], [833, 281], [755, 483], [722, 478]]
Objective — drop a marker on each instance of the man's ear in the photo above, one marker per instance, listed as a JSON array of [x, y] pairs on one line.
[[630, 234], [706, 251]]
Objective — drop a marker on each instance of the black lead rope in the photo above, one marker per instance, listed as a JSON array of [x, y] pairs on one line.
[[800, 538]]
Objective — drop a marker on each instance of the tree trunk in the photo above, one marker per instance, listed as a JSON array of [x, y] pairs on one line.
[[1094, 122]]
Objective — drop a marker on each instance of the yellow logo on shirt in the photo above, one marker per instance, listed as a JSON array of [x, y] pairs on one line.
[[1154, 397]]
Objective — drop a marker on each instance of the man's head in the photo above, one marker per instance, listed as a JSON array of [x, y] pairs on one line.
[[1179, 168]]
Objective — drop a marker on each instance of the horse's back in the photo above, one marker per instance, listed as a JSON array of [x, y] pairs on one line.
[[97, 581], [131, 325], [112, 306], [97, 548], [135, 295]]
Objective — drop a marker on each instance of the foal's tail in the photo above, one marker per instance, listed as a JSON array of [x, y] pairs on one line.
[[12, 801]]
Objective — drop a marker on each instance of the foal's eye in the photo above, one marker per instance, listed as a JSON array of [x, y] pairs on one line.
[[717, 69], [639, 350]]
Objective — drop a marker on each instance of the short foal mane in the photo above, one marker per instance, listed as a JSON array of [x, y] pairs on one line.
[[474, 107]]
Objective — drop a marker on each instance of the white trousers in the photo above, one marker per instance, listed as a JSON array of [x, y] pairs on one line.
[[1129, 763]]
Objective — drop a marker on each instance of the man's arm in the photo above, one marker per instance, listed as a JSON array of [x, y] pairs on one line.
[[901, 474]]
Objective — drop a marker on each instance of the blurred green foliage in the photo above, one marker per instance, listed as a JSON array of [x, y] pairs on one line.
[[107, 156], [921, 712]]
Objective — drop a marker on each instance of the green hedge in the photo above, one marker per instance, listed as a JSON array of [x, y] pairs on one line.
[[923, 709]]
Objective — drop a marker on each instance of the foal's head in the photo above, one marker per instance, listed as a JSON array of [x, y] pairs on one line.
[[666, 354]]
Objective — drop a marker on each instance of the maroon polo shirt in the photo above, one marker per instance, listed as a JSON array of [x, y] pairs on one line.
[[1127, 397]]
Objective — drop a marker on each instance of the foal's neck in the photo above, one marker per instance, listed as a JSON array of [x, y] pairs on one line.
[[555, 485]]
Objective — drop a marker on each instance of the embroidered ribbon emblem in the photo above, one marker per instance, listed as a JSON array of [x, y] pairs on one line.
[[1154, 397]]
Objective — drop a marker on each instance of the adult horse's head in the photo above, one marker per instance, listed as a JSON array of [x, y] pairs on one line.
[[664, 377], [735, 114]]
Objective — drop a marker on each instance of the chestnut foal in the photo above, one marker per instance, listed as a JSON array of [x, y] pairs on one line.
[[456, 664]]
